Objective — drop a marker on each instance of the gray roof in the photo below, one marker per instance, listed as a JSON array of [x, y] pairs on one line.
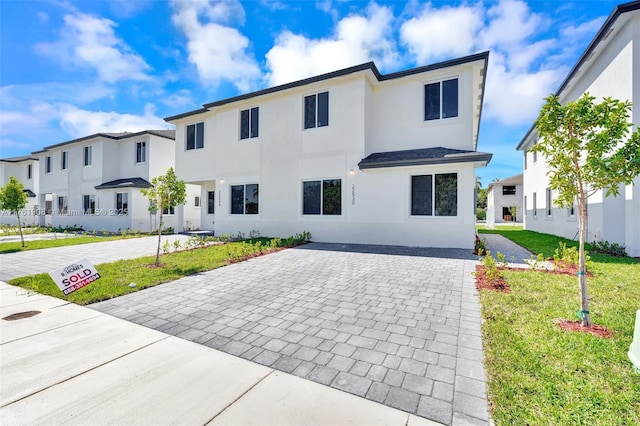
[[421, 157], [135, 182], [29, 192], [19, 159], [351, 70], [168, 134]]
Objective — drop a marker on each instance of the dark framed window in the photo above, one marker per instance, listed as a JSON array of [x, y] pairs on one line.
[[87, 155], [509, 190], [141, 152], [549, 200], [195, 136], [441, 100], [211, 202], [48, 207], [322, 197], [169, 210], [47, 164], [29, 171], [89, 204], [122, 203], [249, 123], [64, 163], [245, 199], [316, 110], [196, 201], [571, 211], [535, 206], [63, 205], [434, 195]]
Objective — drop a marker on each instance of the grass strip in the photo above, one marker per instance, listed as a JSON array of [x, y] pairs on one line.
[[16, 246]]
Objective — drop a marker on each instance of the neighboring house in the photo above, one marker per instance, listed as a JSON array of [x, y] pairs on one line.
[[504, 201], [610, 67], [94, 182], [351, 156], [25, 169]]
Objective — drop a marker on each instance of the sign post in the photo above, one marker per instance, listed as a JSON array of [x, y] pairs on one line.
[[75, 276]]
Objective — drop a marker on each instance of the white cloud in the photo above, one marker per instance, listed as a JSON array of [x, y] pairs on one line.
[[357, 39], [180, 99], [79, 122], [219, 52], [442, 33], [90, 42], [511, 23]]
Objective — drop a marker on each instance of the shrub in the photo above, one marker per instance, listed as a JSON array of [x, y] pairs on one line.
[[613, 249]]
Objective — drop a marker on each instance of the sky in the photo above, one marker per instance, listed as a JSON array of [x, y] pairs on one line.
[[73, 68]]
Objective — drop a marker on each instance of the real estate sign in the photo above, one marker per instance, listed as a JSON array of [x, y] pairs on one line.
[[75, 276]]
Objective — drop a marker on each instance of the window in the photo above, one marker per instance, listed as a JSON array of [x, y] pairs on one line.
[[195, 136], [434, 195], [65, 160], [48, 207], [322, 197], [535, 207], [244, 199], [87, 155], [63, 204], [249, 123], [141, 152], [509, 190], [89, 204], [571, 211], [196, 201], [437, 106], [122, 203], [548, 201], [29, 171], [316, 110], [47, 165], [169, 210], [211, 202], [526, 212]]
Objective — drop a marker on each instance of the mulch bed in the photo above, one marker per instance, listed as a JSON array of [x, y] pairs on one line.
[[483, 283], [596, 330]]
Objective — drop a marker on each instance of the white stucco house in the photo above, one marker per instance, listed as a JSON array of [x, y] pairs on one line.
[[352, 156], [25, 169], [504, 201], [94, 182], [609, 67]]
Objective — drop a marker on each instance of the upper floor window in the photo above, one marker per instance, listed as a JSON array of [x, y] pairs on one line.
[[245, 199], [322, 197], [441, 100], [29, 171], [535, 205], [316, 110], [509, 190], [65, 160], [87, 155], [47, 164], [195, 136], [122, 203], [249, 119], [549, 201], [434, 195], [141, 152]]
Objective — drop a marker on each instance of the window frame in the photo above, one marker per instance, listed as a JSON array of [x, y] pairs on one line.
[[317, 111], [244, 198], [198, 136], [122, 206], [65, 204], [196, 201], [549, 200], [29, 171], [433, 195], [505, 192], [87, 154], [442, 98], [211, 201], [535, 207], [91, 198], [169, 211], [64, 160], [141, 152], [322, 204], [253, 118], [47, 164]]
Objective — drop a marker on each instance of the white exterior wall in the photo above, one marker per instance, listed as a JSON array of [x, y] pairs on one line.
[[19, 170], [365, 116], [612, 72], [496, 201]]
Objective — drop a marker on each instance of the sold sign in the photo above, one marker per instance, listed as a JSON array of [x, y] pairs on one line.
[[75, 276]]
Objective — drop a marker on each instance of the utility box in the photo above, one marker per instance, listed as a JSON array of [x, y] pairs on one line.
[[634, 350]]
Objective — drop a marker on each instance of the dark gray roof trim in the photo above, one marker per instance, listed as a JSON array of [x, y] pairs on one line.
[[136, 182], [18, 159], [30, 193], [619, 10], [168, 134], [422, 157], [346, 71]]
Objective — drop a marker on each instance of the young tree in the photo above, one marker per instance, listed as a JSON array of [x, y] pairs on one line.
[[587, 148], [167, 191], [14, 199]]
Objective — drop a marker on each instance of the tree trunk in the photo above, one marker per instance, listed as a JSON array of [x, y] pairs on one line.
[[582, 267], [20, 228], [159, 236]]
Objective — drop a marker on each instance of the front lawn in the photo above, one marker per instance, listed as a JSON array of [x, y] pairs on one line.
[[538, 374]]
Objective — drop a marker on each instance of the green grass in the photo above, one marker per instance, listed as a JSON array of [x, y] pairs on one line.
[[115, 277], [481, 227], [16, 246], [538, 374]]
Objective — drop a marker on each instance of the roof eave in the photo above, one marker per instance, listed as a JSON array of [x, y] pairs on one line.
[[481, 158]]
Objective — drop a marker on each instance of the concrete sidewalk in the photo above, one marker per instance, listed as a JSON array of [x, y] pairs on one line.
[[19, 264], [512, 252], [72, 365]]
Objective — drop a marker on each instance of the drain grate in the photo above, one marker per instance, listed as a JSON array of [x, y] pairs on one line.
[[21, 315]]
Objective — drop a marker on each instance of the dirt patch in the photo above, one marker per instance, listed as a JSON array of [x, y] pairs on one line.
[[596, 330], [483, 283]]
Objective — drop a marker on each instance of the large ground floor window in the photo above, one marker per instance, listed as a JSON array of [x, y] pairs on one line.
[[245, 199], [434, 195], [322, 197]]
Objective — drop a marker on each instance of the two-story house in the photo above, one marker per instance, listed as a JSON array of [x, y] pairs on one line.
[[351, 156], [504, 201], [94, 182], [25, 169], [609, 67]]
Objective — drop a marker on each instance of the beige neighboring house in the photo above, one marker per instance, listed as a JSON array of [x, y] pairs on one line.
[[25, 169], [504, 201]]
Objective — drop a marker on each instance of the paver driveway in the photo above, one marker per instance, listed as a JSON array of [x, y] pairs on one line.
[[395, 325]]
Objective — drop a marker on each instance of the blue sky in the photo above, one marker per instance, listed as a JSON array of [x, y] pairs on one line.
[[73, 68]]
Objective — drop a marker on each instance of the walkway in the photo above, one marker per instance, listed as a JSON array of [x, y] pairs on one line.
[[512, 252], [394, 325]]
